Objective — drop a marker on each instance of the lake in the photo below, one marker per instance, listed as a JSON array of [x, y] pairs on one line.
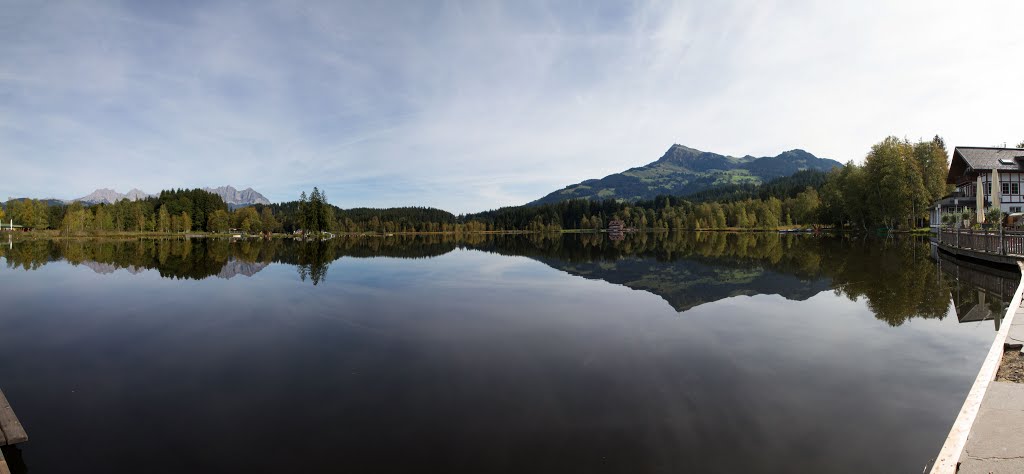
[[682, 352]]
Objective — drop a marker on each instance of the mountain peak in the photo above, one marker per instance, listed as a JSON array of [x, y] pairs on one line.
[[229, 194], [796, 152], [135, 194], [683, 170], [678, 147], [109, 196], [234, 197]]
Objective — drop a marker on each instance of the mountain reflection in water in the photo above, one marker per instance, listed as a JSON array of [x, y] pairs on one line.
[[684, 269], [505, 353]]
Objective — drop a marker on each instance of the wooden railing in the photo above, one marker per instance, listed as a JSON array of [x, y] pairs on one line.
[[1001, 242]]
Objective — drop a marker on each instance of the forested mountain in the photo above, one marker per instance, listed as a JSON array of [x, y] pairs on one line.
[[781, 188], [683, 170]]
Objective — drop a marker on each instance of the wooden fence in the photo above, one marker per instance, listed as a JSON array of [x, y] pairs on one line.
[[990, 241]]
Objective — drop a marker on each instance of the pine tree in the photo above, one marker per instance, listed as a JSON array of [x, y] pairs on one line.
[[303, 217]]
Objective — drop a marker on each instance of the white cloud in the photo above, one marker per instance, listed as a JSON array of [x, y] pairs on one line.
[[474, 105]]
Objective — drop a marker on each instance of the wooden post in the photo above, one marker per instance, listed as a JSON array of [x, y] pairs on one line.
[[1002, 248]]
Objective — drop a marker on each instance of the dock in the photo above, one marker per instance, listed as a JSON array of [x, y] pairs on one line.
[[988, 434], [11, 431], [999, 246]]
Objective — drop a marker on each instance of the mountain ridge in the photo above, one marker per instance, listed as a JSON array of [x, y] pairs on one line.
[[682, 170], [229, 194], [233, 196]]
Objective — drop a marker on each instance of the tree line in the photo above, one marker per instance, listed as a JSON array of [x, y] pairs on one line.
[[172, 211], [893, 188]]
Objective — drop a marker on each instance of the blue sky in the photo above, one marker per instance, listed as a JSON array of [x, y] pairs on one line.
[[473, 105]]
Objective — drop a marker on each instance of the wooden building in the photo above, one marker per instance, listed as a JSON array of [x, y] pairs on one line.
[[997, 172]]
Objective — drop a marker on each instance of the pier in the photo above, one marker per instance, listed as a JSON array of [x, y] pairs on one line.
[[997, 246], [11, 431]]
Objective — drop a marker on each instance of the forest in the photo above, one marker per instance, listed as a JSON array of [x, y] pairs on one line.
[[172, 211], [891, 190]]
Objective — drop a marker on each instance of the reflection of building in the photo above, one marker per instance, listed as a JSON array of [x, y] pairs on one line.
[[616, 230], [979, 292], [974, 168]]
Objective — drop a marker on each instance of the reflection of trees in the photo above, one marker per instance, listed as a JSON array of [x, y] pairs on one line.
[[794, 254], [30, 255], [894, 275], [314, 258], [202, 258]]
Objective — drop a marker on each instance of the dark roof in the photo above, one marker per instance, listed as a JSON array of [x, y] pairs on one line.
[[969, 158], [988, 158]]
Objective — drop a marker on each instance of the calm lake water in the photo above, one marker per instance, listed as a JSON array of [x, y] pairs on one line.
[[657, 353]]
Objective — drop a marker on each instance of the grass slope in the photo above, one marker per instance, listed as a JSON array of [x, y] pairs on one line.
[[683, 170]]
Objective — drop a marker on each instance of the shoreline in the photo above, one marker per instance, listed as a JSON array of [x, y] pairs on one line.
[[54, 234], [953, 449]]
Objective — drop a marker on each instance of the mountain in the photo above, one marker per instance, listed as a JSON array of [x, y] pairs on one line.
[[231, 196], [110, 196], [47, 201], [234, 197], [235, 267], [683, 170], [689, 282], [135, 194]]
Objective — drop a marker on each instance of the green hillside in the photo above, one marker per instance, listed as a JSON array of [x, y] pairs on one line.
[[683, 171]]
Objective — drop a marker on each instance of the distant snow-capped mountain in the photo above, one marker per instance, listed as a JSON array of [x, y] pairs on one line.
[[110, 196], [229, 194], [135, 194], [235, 197]]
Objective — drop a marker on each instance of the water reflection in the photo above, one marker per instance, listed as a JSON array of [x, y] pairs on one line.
[[474, 362], [980, 292], [685, 269]]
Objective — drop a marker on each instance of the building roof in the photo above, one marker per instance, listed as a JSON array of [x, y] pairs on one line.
[[968, 159]]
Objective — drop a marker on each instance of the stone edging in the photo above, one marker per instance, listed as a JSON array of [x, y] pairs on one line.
[[949, 456]]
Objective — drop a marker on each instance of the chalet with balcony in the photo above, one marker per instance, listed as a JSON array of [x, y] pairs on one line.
[[978, 168]]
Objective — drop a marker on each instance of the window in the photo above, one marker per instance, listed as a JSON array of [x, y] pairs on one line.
[[1006, 188], [988, 187], [1011, 188], [1014, 209]]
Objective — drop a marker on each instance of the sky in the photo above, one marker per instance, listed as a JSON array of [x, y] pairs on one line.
[[473, 105]]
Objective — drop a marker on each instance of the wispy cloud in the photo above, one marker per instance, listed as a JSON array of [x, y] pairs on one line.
[[473, 105]]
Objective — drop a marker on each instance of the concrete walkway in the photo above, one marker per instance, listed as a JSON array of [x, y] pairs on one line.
[[988, 434], [996, 441]]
